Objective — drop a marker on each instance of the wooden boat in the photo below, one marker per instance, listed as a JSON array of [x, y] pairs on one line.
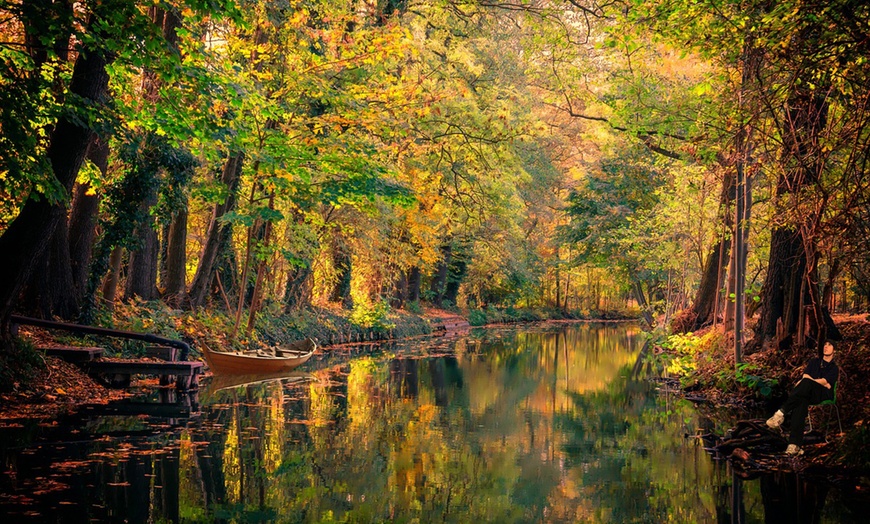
[[265, 361]]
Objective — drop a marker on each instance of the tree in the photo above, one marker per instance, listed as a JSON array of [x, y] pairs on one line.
[[27, 236]]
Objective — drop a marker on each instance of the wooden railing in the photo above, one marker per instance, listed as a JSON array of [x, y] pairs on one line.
[[106, 332]]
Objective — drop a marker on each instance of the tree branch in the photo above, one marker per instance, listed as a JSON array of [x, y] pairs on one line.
[[645, 136]]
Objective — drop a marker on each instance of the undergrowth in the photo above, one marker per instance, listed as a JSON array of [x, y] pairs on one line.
[[495, 315], [706, 361], [855, 448], [214, 328], [19, 362]]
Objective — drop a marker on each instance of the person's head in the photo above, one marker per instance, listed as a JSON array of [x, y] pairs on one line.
[[828, 351]]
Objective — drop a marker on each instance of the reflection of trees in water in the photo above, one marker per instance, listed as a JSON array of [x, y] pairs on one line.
[[787, 498], [403, 377], [778, 496], [491, 432]]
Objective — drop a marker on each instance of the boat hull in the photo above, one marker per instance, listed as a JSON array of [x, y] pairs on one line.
[[238, 363]]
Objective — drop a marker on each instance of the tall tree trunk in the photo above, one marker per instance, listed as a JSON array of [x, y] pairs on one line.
[[705, 306], [439, 278], [400, 290], [176, 258], [257, 296], [750, 63], [414, 280], [27, 237], [558, 287], [113, 277], [342, 262], [226, 271], [163, 255], [297, 293], [640, 296], [143, 262], [828, 292], [50, 291], [785, 288], [219, 233], [83, 218], [743, 211]]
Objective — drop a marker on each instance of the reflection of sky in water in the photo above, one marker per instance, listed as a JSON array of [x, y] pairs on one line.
[[541, 425]]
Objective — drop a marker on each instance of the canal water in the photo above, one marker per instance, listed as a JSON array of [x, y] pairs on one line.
[[553, 423]]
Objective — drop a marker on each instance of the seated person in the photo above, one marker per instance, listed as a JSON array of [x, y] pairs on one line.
[[816, 385]]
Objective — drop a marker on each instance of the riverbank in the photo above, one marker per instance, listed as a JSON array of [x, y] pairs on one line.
[[702, 365], [37, 386]]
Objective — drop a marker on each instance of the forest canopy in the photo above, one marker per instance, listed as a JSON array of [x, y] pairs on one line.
[[703, 161]]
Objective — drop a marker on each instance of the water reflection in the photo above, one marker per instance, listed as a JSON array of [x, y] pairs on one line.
[[544, 425]]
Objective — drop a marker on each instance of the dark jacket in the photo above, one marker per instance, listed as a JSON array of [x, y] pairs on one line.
[[818, 368]]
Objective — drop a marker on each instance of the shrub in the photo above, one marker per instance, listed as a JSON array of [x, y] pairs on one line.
[[374, 316], [19, 362], [477, 317]]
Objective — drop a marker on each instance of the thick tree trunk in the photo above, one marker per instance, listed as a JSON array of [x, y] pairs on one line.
[[400, 290], [50, 291], [414, 280], [297, 294], [113, 278], [27, 237], [704, 308], [83, 219], [58, 287], [785, 289], [439, 278], [142, 265], [218, 234], [176, 258], [343, 264], [781, 290]]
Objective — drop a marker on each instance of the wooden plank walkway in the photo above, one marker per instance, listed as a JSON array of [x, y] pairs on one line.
[[162, 352], [73, 354], [136, 367], [118, 374]]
